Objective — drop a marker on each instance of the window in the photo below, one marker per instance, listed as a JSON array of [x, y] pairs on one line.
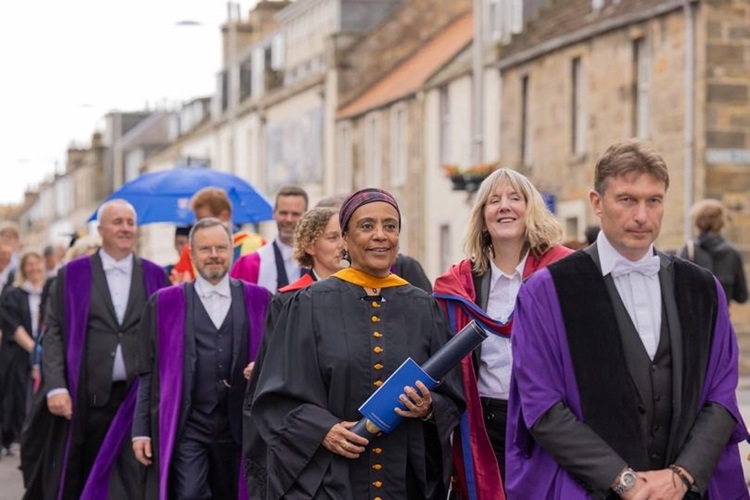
[[224, 82], [577, 111], [525, 125], [277, 52], [399, 145], [516, 16], [446, 156], [641, 91], [133, 162], [504, 18], [246, 78], [373, 150], [345, 166]]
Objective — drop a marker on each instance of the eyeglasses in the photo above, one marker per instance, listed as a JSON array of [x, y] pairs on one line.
[[209, 249]]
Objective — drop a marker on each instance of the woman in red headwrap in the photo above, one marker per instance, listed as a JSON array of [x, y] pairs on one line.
[[338, 342]]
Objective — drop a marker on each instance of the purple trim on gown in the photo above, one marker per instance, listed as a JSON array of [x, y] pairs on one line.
[[543, 375], [97, 483], [170, 325], [77, 301]]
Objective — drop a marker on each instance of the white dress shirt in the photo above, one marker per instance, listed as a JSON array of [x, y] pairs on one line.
[[119, 275], [217, 299], [35, 299], [640, 294], [496, 357], [267, 275]]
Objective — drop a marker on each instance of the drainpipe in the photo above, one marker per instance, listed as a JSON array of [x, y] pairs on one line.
[[477, 138], [689, 126]]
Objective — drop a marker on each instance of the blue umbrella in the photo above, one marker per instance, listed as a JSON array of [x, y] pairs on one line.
[[164, 196]]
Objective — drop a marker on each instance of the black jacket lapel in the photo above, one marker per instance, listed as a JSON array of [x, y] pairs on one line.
[[101, 289]]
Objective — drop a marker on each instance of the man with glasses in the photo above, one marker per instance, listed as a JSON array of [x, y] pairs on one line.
[[194, 343]]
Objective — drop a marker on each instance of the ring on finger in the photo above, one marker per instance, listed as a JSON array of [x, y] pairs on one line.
[[420, 403], [345, 444]]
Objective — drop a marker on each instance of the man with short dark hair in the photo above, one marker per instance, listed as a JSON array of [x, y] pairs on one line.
[[195, 341], [214, 202], [624, 360], [711, 251], [272, 266]]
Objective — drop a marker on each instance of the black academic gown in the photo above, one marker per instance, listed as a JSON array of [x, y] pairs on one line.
[[328, 353], [146, 421], [49, 432], [15, 363], [253, 446]]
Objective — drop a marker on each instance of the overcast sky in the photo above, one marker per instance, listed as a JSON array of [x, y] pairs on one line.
[[65, 64]]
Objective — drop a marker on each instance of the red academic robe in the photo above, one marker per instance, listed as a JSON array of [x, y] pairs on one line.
[[475, 462]]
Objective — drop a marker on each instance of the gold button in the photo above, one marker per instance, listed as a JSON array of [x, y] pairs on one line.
[[375, 304], [377, 498], [374, 319], [378, 484], [378, 366], [377, 383], [377, 335], [377, 450], [378, 349], [377, 466]]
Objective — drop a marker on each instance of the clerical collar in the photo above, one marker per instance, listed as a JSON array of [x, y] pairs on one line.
[[608, 255], [204, 288], [360, 278]]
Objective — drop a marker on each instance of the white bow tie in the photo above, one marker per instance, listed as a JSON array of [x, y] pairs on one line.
[[647, 267], [213, 293], [120, 267]]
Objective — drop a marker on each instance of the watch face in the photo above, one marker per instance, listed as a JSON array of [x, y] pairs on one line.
[[628, 479]]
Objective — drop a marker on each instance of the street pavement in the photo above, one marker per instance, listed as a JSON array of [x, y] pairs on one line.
[[11, 484]]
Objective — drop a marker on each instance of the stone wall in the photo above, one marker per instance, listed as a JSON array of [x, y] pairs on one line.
[[608, 79], [727, 122], [392, 41]]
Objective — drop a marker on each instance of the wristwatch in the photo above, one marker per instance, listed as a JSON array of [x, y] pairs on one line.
[[625, 481]]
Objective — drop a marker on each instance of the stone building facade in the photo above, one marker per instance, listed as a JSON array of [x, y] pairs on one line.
[[380, 133], [676, 73]]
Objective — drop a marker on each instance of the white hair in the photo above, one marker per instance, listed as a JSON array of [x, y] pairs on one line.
[[115, 201]]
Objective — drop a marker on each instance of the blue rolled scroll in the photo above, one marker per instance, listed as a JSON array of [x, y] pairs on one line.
[[378, 410]]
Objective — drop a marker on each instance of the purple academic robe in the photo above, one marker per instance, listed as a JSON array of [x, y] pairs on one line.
[[77, 299], [170, 335], [543, 375]]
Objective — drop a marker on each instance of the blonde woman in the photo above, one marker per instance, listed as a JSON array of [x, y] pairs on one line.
[[20, 306], [511, 234]]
